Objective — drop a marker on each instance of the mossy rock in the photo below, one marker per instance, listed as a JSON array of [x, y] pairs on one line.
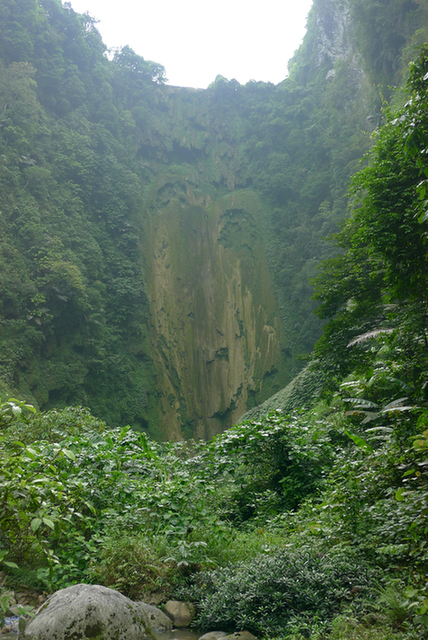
[[89, 612]]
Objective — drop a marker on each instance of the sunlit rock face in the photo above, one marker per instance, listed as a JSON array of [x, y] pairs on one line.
[[333, 31], [215, 330], [335, 39]]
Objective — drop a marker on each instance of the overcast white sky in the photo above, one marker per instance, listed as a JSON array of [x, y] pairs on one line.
[[195, 40]]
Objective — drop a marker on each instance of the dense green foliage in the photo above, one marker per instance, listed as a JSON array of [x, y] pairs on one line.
[[277, 526], [375, 292], [72, 300], [269, 593]]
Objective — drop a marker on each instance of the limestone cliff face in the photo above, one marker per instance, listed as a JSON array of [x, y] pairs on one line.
[[215, 329], [333, 28], [334, 31]]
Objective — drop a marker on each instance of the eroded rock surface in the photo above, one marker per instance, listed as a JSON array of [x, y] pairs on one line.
[[89, 612], [181, 613], [238, 635], [156, 618]]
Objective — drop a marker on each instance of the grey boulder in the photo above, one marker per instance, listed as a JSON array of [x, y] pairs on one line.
[[181, 613], [217, 635], [89, 612], [241, 635], [156, 618]]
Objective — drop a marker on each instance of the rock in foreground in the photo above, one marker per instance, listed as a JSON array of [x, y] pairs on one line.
[[181, 613], [222, 635], [157, 619], [89, 612]]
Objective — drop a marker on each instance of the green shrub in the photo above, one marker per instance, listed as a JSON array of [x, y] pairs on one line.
[[268, 466], [270, 592], [51, 426]]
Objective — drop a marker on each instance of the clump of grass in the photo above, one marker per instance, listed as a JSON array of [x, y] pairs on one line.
[[231, 546], [393, 603], [133, 565], [370, 628]]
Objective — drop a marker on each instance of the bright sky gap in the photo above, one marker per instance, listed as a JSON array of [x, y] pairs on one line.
[[196, 41]]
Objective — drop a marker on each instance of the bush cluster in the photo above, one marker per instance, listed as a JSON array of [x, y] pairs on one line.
[[270, 592]]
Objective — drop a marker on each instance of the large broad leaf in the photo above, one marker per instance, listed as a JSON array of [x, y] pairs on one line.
[[362, 444], [35, 524], [361, 403], [368, 335], [399, 496], [397, 405], [48, 522]]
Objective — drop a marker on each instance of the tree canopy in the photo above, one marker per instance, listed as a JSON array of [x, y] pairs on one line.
[[375, 292]]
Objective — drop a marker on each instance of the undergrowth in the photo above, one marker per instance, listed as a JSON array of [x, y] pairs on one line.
[[287, 527]]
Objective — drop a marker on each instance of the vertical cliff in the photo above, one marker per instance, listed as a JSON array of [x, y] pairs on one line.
[[215, 328]]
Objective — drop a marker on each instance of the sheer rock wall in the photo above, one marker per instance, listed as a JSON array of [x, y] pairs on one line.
[[215, 328]]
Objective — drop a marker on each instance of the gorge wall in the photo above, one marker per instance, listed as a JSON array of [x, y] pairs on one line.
[[216, 330], [158, 242]]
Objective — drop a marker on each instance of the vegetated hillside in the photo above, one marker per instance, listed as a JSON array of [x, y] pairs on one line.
[[156, 241], [299, 524]]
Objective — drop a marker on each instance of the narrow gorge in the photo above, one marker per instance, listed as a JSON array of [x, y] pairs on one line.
[[158, 243]]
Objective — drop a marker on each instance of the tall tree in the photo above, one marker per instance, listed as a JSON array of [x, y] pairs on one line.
[[378, 285]]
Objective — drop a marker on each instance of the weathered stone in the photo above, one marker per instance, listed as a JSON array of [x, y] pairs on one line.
[[10, 595], [157, 619], [213, 635], [28, 598], [181, 613], [241, 635], [89, 612]]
